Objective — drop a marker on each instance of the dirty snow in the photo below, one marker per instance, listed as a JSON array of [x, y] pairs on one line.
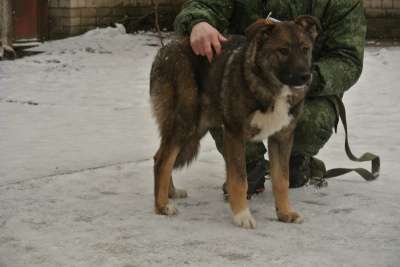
[[76, 142]]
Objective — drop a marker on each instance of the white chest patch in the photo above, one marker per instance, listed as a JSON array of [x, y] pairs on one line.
[[273, 121]]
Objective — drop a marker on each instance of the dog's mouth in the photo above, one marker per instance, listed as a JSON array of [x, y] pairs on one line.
[[302, 87], [299, 87]]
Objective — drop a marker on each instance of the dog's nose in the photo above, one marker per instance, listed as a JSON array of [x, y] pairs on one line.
[[296, 78], [301, 78], [305, 77]]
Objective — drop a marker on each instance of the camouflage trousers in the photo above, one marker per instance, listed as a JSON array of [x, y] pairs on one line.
[[313, 130]]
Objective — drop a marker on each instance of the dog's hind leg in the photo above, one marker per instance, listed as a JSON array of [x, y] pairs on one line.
[[173, 192], [234, 155], [176, 192], [279, 149], [163, 165]]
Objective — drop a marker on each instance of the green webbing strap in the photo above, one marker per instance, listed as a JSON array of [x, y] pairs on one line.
[[375, 161]]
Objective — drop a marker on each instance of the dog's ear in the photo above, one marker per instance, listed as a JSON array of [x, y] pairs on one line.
[[310, 24], [260, 26]]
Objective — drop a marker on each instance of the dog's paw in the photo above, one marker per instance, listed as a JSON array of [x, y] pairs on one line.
[[244, 219], [168, 210], [179, 193], [290, 217]]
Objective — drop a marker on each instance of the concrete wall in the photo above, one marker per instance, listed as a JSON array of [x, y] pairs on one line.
[[71, 17]]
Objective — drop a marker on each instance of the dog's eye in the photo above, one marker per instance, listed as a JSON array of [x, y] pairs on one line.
[[283, 51]]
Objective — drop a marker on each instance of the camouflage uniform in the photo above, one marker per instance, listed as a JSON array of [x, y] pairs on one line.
[[338, 55]]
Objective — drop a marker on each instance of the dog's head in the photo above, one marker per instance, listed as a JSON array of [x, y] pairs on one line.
[[284, 49]]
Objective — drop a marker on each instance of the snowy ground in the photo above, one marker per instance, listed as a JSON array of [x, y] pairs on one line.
[[76, 141]]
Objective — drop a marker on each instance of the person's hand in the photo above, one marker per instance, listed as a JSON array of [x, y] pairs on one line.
[[204, 38]]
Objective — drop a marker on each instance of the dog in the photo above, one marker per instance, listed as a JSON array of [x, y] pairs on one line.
[[254, 89]]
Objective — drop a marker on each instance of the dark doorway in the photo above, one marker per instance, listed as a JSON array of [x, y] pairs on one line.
[[30, 20]]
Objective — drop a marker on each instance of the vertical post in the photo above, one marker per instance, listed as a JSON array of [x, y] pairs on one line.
[[43, 20], [6, 30]]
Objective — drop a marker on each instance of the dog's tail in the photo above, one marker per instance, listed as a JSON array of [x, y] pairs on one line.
[[188, 153], [175, 100]]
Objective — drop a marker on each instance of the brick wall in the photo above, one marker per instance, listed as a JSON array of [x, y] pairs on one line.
[[71, 17], [383, 18], [382, 8]]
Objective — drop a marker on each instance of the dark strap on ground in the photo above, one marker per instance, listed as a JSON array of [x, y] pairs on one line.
[[375, 161]]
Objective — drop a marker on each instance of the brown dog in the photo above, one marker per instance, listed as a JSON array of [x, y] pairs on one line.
[[255, 90]]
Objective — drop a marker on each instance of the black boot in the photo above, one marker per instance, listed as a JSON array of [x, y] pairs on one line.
[[299, 170], [256, 173], [305, 169], [318, 171]]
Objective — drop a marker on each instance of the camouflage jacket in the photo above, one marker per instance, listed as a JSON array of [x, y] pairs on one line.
[[338, 53]]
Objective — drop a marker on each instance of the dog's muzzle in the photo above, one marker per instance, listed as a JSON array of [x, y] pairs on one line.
[[298, 79]]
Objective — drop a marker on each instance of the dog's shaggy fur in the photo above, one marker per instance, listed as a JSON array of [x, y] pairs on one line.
[[255, 90]]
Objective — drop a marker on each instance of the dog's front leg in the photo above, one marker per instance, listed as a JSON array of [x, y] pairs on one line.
[[280, 148], [234, 154]]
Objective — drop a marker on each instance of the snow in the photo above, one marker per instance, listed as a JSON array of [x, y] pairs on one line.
[[77, 140]]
